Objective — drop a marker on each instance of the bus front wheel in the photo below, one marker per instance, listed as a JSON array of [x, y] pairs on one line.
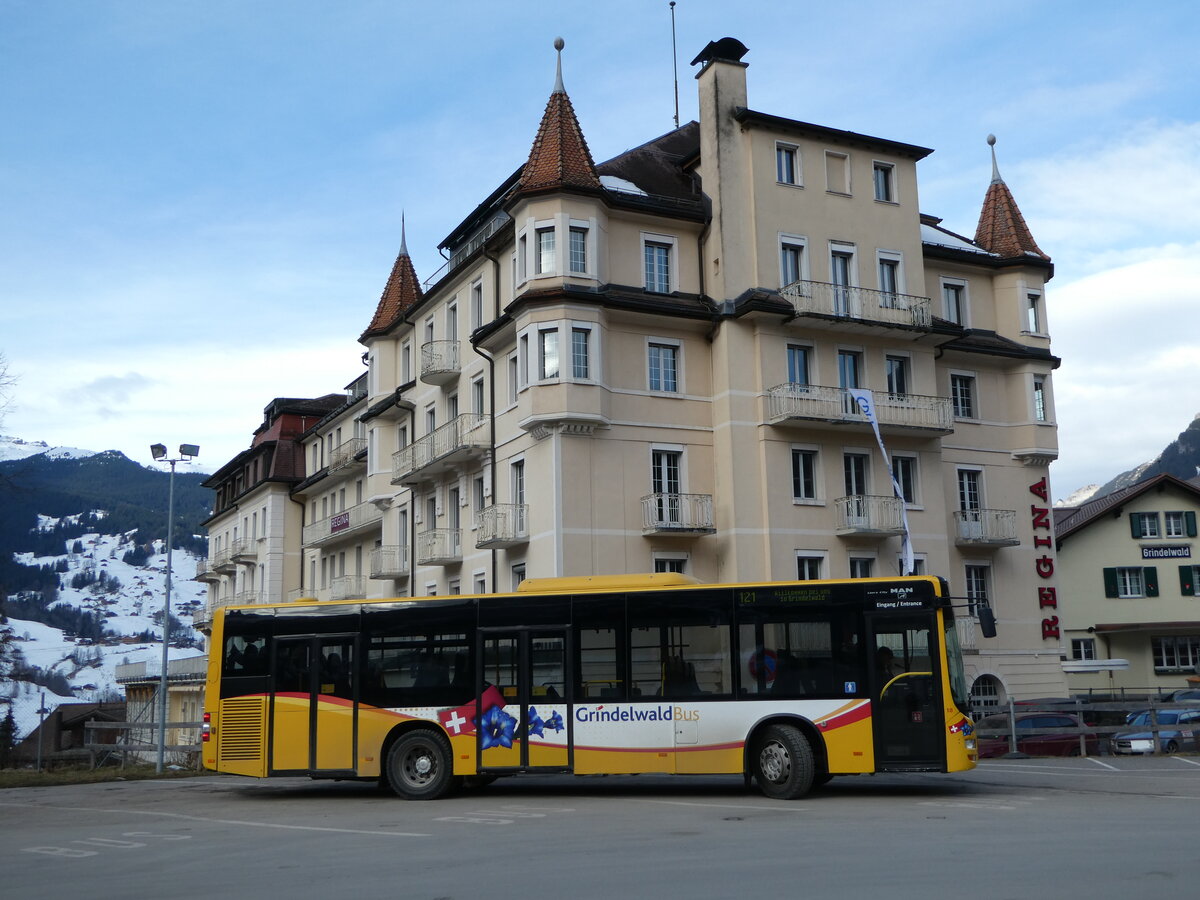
[[783, 763], [419, 766]]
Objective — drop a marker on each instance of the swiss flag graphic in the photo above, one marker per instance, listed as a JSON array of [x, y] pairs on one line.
[[461, 719]]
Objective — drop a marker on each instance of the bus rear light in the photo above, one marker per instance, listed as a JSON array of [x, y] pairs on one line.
[[206, 728]]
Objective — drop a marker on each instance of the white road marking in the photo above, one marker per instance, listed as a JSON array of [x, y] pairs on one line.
[[1190, 762], [781, 808], [1092, 759], [245, 822]]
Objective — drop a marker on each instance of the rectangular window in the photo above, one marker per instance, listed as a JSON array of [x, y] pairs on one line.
[[522, 257], [962, 396], [1033, 313], [665, 466], [897, 375], [791, 263], [478, 403], [797, 364], [1039, 398], [523, 360], [885, 174], [513, 383], [1129, 582], [977, 578], [518, 575], [406, 364], [1179, 653], [837, 172], [670, 564], [452, 322], [545, 251], [1174, 524], [581, 366], [477, 492], [1144, 525], [663, 360], [1083, 648], [658, 267], [476, 304], [804, 474], [518, 482], [578, 250], [861, 566], [787, 170], [548, 353], [954, 300], [854, 468], [970, 489], [904, 470], [841, 274], [889, 280], [808, 568]]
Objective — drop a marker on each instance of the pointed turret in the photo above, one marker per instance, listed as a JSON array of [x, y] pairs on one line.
[[1002, 229], [401, 291], [560, 157]]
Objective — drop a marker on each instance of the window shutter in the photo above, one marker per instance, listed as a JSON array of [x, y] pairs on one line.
[[1150, 575], [1110, 582], [1135, 525], [1189, 520], [1187, 584]]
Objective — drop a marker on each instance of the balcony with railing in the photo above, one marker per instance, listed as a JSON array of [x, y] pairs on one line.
[[222, 561], [868, 516], [463, 438], [246, 598], [295, 596], [502, 525], [986, 528], [346, 454], [347, 587], [857, 304], [439, 547], [439, 362], [810, 404], [677, 514], [388, 562], [205, 572], [355, 520], [244, 551]]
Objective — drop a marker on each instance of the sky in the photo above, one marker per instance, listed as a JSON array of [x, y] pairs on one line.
[[200, 202]]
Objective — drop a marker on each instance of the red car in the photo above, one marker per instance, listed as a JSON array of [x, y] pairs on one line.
[[1060, 743]]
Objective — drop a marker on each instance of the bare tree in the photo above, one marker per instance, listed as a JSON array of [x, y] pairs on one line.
[[7, 383]]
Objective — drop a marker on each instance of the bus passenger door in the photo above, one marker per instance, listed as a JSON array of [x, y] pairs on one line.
[[312, 720], [906, 702], [522, 719]]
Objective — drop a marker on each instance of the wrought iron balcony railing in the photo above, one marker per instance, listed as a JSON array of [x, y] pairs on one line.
[[850, 302], [677, 514], [986, 527], [867, 515], [503, 525], [819, 403]]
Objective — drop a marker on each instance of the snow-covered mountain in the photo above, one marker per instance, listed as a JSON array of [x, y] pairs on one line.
[[15, 448], [125, 597]]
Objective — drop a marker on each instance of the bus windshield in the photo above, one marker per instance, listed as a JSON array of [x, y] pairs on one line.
[[954, 664]]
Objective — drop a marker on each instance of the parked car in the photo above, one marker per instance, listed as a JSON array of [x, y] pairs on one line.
[[1169, 740], [1183, 695], [1063, 743]]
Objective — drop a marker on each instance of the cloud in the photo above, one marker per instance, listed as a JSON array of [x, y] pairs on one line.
[[112, 388]]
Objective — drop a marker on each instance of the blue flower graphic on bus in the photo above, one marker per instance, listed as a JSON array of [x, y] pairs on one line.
[[535, 723], [498, 728], [555, 721]]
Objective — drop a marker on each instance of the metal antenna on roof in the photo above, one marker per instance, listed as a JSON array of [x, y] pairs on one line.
[[674, 63], [996, 179]]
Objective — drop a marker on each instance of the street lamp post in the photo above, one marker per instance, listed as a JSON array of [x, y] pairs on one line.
[[159, 452]]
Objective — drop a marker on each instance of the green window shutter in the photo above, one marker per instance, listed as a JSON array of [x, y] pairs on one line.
[[1150, 576], [1135, 525], [1110, 582], [1189, 520], [1187, 584]]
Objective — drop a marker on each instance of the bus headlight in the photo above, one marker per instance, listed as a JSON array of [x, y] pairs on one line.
[[970, 743]]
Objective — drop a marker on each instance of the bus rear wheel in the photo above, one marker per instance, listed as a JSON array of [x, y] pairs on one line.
[[783, 763], [419, 767]]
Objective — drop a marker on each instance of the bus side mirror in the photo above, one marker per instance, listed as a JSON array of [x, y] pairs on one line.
[[987, 622]]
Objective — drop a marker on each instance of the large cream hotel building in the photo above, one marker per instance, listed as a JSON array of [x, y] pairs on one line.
[[642, 365]]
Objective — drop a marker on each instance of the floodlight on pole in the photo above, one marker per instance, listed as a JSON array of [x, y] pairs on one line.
[[186, 453]]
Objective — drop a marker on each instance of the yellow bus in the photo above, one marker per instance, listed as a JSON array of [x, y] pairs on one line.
[[787, 684]]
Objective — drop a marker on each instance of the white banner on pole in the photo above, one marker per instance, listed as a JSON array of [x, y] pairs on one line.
[[865, 401]]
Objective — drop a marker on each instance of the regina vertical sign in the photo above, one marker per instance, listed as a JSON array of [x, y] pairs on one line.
[[1043, 564]]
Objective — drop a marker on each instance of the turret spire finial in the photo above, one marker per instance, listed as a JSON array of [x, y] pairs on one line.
[[996, 179], [559, 43]]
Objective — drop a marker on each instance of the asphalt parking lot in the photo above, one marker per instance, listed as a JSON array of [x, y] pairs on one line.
[[1011, 828]]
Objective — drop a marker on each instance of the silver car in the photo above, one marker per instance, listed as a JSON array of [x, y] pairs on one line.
[[1170, 740]]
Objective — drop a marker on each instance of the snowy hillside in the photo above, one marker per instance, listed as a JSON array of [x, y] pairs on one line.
[[15, 448], [123, 597]]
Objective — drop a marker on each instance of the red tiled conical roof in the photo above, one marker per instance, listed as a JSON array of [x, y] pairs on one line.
[[560, 155], [401, 292], [1002, 229]]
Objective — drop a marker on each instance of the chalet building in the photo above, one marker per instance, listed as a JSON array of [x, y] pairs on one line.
[[644, 364], [1129, 564]]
